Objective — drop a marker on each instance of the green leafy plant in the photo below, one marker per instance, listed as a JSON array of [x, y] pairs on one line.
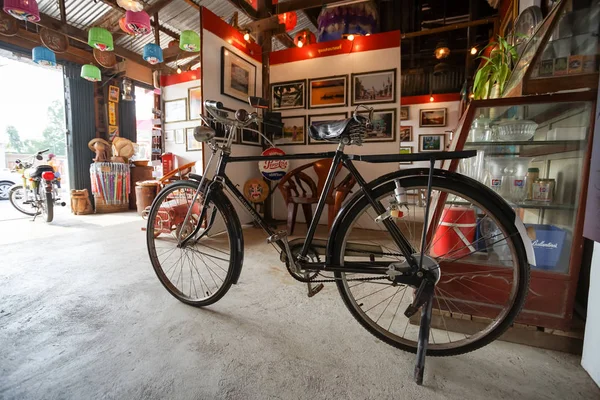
[[496, 69]]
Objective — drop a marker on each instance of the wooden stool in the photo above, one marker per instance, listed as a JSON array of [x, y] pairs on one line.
[[80, 202]]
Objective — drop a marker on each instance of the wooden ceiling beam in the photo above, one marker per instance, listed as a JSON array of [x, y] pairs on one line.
[[453, 27], [63, 11], [245, 8], [168, 32], [285, 40]]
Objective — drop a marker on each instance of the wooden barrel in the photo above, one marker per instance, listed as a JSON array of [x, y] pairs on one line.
[[145, 192]]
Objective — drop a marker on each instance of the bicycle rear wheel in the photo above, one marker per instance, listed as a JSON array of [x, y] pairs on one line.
[[202, 271], [481, 257]]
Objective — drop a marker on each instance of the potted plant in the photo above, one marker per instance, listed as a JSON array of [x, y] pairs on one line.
[[491, 77]]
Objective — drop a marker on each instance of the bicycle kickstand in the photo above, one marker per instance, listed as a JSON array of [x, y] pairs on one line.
[[423, 340]]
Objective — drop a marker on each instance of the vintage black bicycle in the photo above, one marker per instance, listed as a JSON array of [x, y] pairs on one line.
[[429, 261]]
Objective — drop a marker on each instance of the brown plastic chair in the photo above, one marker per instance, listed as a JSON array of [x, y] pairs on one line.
[[298, 188]]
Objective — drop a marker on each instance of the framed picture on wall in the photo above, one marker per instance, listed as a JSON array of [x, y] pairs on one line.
[[179, 139], [293, 131], [384, 126], [406, 134], [176, 110], [195, 102], [113, 93], [405, 150], [374, 87], [435, 142], [250, 135], [404, 113], [323, 118], [191, 144], [432, 117], [328, 92], [169, 135], [238, 76], [288, 95]]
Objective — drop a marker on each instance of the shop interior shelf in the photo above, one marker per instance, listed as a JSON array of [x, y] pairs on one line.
[[543, 206], [530, 148]]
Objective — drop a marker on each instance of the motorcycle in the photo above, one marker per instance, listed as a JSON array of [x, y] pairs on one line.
[[39, 192]]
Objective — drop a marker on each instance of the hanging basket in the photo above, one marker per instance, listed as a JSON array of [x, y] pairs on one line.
[[91, 73], [43, 56], [124, 27], [138, 22], [100, 39], [153, 53], [189, 41], [289, 19], [27, 10]]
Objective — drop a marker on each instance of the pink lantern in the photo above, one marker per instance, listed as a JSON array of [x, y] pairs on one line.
[[26, 10], [138, 22]]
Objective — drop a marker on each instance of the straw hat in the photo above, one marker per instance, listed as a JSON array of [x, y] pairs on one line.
[[122, 147], [97, 140]]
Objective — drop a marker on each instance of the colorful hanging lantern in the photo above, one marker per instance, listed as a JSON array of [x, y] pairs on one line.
[[340, 22], [304, 38], [27, 10], [91, 73], [101, 39], [153, 53], [131, 5], [173, 43], [138, 22], [124, 27], [189, 41], [289, 19], [43, 56]]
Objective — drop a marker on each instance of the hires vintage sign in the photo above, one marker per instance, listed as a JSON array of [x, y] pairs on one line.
[[273, 170]]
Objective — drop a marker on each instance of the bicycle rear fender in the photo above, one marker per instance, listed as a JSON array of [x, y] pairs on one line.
[[507, 211]]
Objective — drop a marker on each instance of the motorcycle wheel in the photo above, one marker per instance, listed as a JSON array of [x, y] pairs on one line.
[[17, 196], [47, 203]]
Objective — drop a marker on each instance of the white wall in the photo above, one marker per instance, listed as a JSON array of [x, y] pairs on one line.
[[591, 343]]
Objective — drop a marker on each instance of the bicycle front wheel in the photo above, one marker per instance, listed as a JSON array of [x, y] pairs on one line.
[[202, 271], [484, 273]]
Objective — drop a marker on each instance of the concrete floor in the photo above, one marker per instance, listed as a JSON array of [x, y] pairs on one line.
[[82, 316]]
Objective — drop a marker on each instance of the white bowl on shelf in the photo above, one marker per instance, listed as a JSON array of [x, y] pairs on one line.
[[515, 130]]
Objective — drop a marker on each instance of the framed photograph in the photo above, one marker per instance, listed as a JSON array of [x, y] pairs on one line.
[[191, 144], [113, 93], [404, 113], [406, 134], [195, 102], [374, 87], [221, 130], [288, 95], [169, 135], [293, 131], [384, 126], [238, 76], [435, 142], [322, 118], [432, 118], [176, 110], [405, 150], [179, 136], [328, 92], [249, 135]]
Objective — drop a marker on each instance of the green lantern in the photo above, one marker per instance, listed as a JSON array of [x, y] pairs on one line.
[[101, 39], [189, 41], [91, 73]]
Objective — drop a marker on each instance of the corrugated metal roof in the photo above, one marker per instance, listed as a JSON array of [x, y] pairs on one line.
[[80, 13]]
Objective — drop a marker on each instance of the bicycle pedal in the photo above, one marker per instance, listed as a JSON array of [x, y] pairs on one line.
[[314, 290], [277, 236]]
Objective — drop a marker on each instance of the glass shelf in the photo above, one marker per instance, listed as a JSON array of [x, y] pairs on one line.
[[528, 143], [531, 205]]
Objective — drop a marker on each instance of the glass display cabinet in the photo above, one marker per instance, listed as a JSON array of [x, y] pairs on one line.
[[535, 152]]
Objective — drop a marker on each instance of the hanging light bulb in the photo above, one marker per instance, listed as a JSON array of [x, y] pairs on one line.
[[441, 50], [431, 99], [178, 70], [300, 43], [246, 36], [473, 50], [350, 37]]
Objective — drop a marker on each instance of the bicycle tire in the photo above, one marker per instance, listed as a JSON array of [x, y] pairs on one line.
[[481, 195], [13, 201], [235, 237]]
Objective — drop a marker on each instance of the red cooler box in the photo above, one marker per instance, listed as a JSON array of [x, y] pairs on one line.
[[455, 234]]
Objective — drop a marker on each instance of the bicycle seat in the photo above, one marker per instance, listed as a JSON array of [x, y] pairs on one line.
[[333, 130]]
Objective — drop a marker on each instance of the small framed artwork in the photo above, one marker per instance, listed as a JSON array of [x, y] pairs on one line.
[[406, 134], [405, 150], [113, 93], [169, 135], [179, 136], [191, 144], [435, 142], [112, 113], [374, 87], [432, 117], [384, 126], [250, 135], [195, 102], [404, 113], [176, 110], [238, 76], [328, 92], [293, 131], [288, 95], [323, 118]]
